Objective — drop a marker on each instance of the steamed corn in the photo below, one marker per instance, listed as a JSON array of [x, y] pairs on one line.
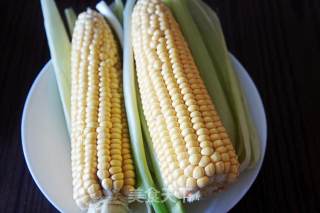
[[102, 164], [193, 149]]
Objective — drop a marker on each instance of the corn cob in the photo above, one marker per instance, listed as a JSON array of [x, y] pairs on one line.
[[102, 165], [194, 151]]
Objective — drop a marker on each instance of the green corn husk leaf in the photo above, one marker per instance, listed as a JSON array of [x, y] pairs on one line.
[[60, 48], [71, 18], [212, 34], [118, 10]]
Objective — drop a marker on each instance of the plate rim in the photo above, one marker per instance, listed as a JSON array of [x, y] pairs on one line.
[[264, 141], [23, 134]]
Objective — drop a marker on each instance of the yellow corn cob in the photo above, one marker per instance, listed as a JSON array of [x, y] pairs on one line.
[[102, 164], [194, 151]]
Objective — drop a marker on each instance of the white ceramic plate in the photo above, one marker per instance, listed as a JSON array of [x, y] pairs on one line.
[[46, 145]]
